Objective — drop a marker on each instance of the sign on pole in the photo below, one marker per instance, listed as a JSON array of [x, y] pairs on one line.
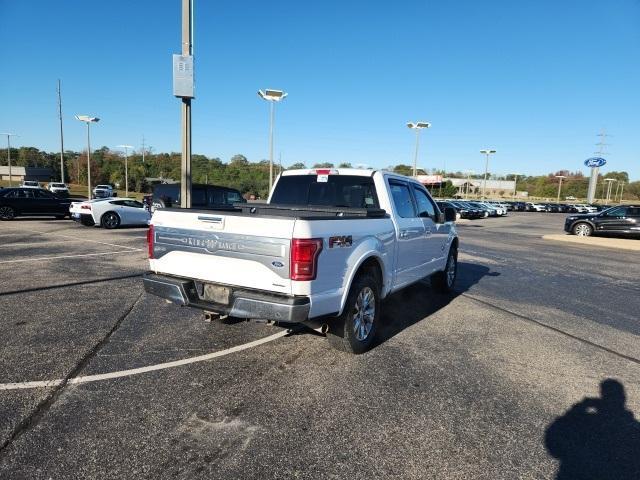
[[594, 163]]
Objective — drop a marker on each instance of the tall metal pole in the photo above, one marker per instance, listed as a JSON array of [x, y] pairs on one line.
[[271, 115], [185, 177], [9, 157], [415, 156], [88, 161], [621, 190], [61, 134], [593, 183], [126, 172], [515, 187], [486, 169]]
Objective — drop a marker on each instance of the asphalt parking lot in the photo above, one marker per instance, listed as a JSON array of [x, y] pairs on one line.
[[477, 385]]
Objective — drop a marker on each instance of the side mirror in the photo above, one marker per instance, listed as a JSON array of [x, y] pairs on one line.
[[449, 214]]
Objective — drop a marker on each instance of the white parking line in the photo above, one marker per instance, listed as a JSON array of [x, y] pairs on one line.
[[150, 368], [39, 244], [72, 237], [55, 257]]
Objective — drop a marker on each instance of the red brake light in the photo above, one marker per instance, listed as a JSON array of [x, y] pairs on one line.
[[150, 240], [304, 258], [85, 207]]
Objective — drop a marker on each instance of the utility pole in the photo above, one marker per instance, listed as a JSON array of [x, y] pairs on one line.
[[61, 134], [142, 148], [559, 177]]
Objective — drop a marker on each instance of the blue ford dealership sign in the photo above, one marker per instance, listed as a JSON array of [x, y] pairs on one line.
[[595, 162]]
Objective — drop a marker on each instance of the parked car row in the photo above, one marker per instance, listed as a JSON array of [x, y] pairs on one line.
[[108, 210], [474, 210], [556, 207]]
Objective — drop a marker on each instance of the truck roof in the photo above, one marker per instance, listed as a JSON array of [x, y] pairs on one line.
[[361, 172]]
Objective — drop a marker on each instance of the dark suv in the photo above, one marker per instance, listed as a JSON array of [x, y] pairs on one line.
[[202, 196], [624, 219]]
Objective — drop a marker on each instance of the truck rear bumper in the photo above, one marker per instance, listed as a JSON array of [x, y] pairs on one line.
[[243, 303]]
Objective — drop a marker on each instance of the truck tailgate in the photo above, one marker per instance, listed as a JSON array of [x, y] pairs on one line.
[[223, 248]]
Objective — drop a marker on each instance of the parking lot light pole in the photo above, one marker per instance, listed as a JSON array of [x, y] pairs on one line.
[[486, 152], [126, 168], [271, 96], [9, 135], [88, 120], [417, 126], [560, 178]]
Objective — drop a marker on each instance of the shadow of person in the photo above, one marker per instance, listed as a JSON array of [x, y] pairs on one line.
[[597, 438]]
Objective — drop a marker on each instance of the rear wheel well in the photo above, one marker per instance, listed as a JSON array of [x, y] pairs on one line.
[[372, 266]]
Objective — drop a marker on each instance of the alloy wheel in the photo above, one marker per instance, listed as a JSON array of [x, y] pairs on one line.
[[364, 312]]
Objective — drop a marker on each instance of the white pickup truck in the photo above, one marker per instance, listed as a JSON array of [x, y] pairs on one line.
[[325, 249]]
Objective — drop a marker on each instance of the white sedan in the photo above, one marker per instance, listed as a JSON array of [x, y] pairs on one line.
[[110, 212]]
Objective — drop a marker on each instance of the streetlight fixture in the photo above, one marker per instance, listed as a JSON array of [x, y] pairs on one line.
[[417, 126], [486, 152], [9, 135], [609, 181], [126, 168], [88, 120], [271, 96], [560, 178]]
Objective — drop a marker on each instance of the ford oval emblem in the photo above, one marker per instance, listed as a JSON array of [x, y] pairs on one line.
[[277, 264], [594, 162]]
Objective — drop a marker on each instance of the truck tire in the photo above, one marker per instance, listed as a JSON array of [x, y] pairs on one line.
[[355, 329], [445, 280]]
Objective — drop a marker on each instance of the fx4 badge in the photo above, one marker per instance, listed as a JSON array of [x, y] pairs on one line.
[[340, 241]]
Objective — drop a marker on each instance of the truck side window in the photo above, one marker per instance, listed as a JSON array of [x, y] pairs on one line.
[[425, 207], [402, 199]]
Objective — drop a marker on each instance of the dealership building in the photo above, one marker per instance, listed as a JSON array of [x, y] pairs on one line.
[[20, 174]]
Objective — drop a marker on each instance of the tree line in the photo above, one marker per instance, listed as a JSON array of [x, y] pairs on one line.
[[252, 178]]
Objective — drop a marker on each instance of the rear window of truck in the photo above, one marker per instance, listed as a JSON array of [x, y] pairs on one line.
[[350, 191]]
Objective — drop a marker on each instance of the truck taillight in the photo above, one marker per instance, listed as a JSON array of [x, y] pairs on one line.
[[150, 239], [304, 258]]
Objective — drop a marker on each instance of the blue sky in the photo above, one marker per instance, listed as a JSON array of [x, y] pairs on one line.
[[534, 80]]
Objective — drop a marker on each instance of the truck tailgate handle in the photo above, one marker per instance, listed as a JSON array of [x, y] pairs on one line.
[[204, 218]]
